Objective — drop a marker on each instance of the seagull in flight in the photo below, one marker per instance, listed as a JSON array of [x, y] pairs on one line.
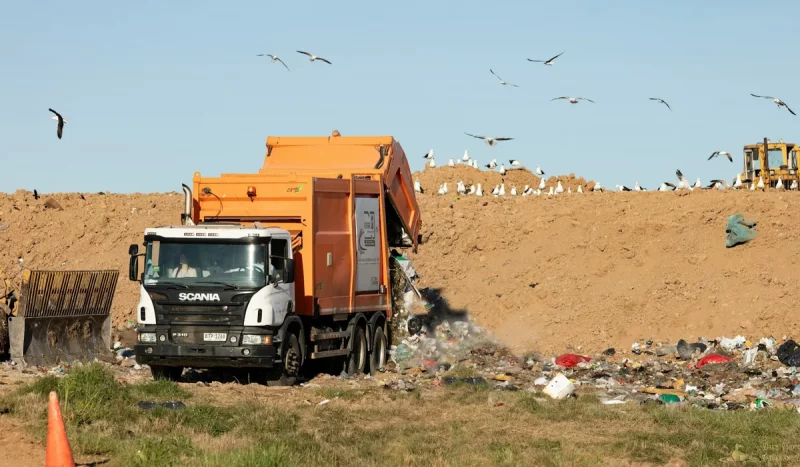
[[314, 57], [547, 62], [661, 101], [777, 101], [274, 58], [721, 153], [572, 100], [490, 140], [61, 122], [501, 80]]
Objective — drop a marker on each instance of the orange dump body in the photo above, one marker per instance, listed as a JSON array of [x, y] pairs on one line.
[[345, 201]]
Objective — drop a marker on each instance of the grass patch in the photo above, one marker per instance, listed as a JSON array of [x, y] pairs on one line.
[[462, 424]]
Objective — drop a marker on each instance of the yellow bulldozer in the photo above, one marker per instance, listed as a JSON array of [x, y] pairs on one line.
[[769, 161], [48, 317]]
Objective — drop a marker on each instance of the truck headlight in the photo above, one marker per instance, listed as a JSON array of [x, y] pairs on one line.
[[149, 337], [254, 339]]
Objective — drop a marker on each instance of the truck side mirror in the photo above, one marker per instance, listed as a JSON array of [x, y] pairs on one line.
[[133, 267], [289, 273], [133, 249]]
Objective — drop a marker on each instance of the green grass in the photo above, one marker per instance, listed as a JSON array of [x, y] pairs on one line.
[[455, 425]]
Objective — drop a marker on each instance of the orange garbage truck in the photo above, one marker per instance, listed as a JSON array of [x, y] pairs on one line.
[[282, 268]]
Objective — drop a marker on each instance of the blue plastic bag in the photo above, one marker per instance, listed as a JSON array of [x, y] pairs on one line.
[[739, 230]]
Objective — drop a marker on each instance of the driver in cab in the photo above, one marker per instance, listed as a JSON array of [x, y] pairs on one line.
[[183, 269]]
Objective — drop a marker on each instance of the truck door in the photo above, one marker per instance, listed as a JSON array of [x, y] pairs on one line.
[[282, 293]]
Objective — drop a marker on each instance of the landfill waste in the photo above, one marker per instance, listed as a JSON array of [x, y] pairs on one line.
[[569, 360], [686, 350], [712, 359], [560, 387], [738, 230], [167, 405], [789, 353]]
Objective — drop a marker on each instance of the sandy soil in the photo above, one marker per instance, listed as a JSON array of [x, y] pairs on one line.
[[593, 270]]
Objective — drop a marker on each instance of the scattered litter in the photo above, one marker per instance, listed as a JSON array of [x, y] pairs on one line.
[[167, 405], [711, 359], [569, 360], [738, 230], [560, 387]]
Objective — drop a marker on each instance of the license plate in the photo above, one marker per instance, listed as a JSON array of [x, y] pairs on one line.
[[214, 336]]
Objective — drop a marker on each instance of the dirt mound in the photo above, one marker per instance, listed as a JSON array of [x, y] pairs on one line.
[[64, 231], [592, 270], [431, 179]]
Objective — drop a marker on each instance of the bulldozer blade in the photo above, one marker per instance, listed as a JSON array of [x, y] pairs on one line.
[[64, 316]]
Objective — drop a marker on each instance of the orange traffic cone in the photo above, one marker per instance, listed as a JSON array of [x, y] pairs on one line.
[[58, 452]]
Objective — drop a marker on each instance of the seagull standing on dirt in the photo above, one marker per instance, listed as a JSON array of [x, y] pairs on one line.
[[666, 186], [539, 171], [429, 155], [274, 58], [474, 163], [572, 100], [492, 164], [61, 122], [450, 163], [432, 163], [661, 101], [471, 190], [443, 189], [721, 153], [580, 189], [461, 188], [501, 80], [465, 157], [502, 169], [490, 140], [551, 192], [479, 191], [541, 184], [777, 101], [311, 57], [514, 163], [760, 185], [793, 186], [682, 183], [502, 189], [496, 190], [636, 187], [417, 186], [597, 187], [559, 188], [779, 185], [697, 184], [514, 190], [548, 62]]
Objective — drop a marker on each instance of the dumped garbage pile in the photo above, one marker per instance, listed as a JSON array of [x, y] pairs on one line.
[[722, 374]]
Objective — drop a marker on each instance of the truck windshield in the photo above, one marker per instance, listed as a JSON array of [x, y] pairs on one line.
[[205, 264]]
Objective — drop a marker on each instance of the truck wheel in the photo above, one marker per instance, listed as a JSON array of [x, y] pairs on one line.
[[377, 358], [291, 364], [170, 373], [357, 361]]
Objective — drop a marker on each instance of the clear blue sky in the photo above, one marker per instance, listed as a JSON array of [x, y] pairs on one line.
[[155, 90]]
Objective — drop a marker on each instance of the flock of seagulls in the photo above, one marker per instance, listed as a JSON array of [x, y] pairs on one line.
[[311, 58]]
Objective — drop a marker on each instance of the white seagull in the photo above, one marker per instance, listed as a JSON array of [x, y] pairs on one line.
[[548, 62], [597, 187], [760, 185], [502, 189], [432, 163], [539, 171], [479, 192], [465, 157], [514, 190], [779, 185], [721, 153], [471, 189], [61, 122], [793, 186], [501, 80], [429, 155], [451, 163], [661, 101], [490, 140], [682, 183], [418, 187], [697, 184], [311, 58], [461, 188], [496, 190], [274, 58], [443, 189], [666, 186], [580, 189], [559, 188], [636, 187], [492, 164], [502, 169], [541, 184], [779, 102], [514, 163], [572, 100]]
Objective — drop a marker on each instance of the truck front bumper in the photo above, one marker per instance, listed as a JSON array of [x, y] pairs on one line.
[[168, 353]]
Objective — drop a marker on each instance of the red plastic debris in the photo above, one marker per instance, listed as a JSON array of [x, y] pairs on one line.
[[711, 359], [569, 360]]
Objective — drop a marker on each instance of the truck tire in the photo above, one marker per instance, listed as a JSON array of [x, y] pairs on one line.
[[288, 374], [377, 357], [5, 343], [170, 373], [357, 360]]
